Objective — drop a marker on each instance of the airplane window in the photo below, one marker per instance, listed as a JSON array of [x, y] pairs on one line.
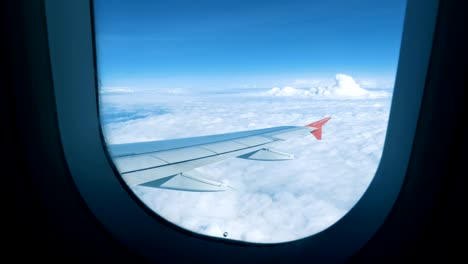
[[254, 121]]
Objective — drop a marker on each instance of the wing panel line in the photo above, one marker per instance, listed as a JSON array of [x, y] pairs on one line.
[[156, 157], [208, 149], [240, 143], [184, 161], [201, 144]]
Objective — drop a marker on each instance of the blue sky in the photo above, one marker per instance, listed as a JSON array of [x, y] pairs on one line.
[[223, 45], [229, 44]]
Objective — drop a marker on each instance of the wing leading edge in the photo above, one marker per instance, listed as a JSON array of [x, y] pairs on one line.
[[169, 164]]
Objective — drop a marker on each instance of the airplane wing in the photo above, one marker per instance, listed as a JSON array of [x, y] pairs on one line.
[[169, 164]]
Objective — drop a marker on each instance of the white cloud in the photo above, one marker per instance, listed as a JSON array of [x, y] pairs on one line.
[[115, 90], [343, 87], [288, 91], [346, 86], [272, 201]]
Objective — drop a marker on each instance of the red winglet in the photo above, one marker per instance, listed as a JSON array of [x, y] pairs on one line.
[[318, 125]]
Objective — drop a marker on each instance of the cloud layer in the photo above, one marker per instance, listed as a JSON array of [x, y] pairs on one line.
[[115, 90], [344, 87], [272, 201]]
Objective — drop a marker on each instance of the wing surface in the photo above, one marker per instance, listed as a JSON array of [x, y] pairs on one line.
[[170, 163]]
